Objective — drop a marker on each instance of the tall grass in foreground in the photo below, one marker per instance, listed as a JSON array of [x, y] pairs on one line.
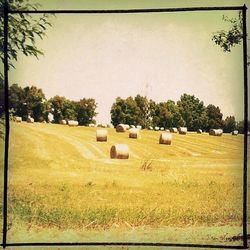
[[93, 205]]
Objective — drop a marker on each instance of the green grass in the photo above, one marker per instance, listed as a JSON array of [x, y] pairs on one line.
[[61, 179]]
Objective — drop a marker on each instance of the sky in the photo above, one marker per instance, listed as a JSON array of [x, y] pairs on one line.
[[158, 55]]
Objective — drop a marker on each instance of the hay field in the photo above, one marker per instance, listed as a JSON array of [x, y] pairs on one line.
[[62, 180]]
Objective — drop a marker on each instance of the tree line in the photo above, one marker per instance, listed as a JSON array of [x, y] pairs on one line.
[[31, 101], [188, 111]]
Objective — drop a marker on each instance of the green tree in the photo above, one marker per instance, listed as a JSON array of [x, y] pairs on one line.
[[176, 119], [160, 115], [58, 107], [125, 111], [132, 112], [69, 110], [47, 110], [152, 113], [17, 100], [118, 111], [167, 115], [27, 101], [229, 124], [193, 112], [214, 117], [35, 103], [240, 126], [143, 110], [85, 111]]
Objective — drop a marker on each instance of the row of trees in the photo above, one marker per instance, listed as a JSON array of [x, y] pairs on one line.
[[189, 111], [31, 101]]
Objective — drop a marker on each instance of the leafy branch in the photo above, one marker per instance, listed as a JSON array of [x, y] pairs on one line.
[[23, 30]]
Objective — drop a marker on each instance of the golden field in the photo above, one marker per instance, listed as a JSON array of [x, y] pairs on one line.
[[62, 182]]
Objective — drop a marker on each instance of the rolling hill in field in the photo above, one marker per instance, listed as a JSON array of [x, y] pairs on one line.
[[60, 178]]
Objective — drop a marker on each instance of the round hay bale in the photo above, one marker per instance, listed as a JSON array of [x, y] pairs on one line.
[[162, 129], [63, 122], [157, 128], [235, 132], [216, 132], [150, 128], [119, 151], [120, 128], [134, 133], [92, 125], [199, 131], [101, 135], [182, 130], [139, 126], [167, 130], [212, 131], [18, 119], [132, 126], [50, 117], [72, 123], [165, 138], [110, 126], [126, 126], [219, 132], [30, 120], [173, 130]]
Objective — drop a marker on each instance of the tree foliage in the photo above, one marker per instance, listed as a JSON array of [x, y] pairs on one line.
[[189, 111], [35, 103], [214, 117], [240, 126], [193, 112], [229, 124], [57, 107], [17, 100], [27, 101], [32, 101], [23, 30], [167, 115], [143, 110], [123, 111], [228, 39], [85, 110]]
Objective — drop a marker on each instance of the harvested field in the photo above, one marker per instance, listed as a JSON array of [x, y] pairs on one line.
[[62, 179]]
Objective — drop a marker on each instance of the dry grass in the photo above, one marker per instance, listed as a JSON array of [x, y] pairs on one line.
[[60, 178]]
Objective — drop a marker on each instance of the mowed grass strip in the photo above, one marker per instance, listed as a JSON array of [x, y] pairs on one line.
[[53, 182]]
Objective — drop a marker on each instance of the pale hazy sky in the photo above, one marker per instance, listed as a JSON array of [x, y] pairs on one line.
[[160, 55]]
